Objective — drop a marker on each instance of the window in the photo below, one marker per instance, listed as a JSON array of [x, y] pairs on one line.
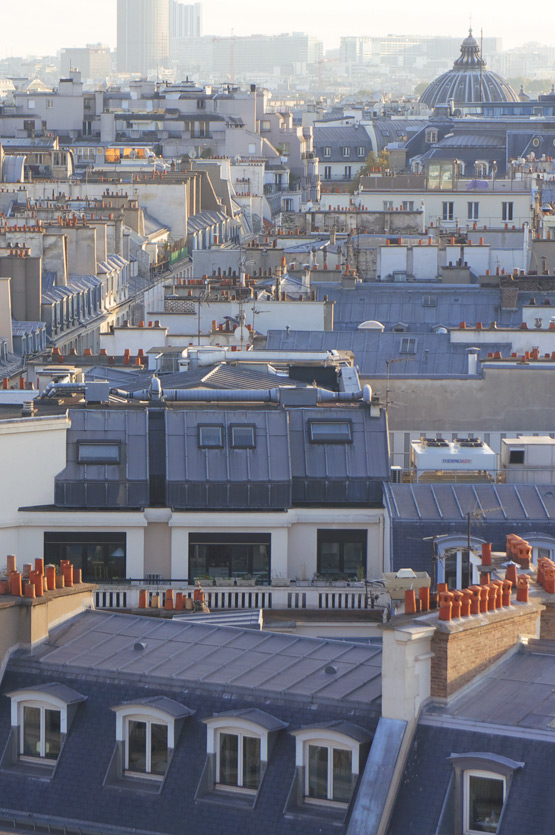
[[473, 210], [431, 136], [328, 773], [230, 555], [100, 556], [507, 211], [448, 210], [361, 151], [98, 453], [347, 173], [210, 436], [238, 747], [31, 104], [49, 103], [408, 345], [40, 719], [516, 456], [330, 432], [429, 301], [146, 735], [40, 732], [484, 795], [346, 152], [328, 764], [388, 205], [327, 172], [238, 761], [407, 206], [481, 169], [146, 749], [243, 437], [265, 126], [342, 553], [327, 152]]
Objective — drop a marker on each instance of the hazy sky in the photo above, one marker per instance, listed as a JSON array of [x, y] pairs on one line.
[[44, 26]]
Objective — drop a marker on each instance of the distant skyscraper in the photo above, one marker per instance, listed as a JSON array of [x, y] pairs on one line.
[[143, 35], [185, 20]]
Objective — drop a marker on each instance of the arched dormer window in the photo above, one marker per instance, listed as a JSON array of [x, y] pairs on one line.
[[40, 718], [146, 735], [238, 746], [456, 565], [477, 792], [329, 758]]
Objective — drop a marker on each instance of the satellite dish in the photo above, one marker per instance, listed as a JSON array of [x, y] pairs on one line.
[[371, 325], [241, 334]]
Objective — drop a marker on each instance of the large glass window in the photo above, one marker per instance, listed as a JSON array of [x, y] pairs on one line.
[[230, 555], [483, 801], [238, 761], [329, 773], [100, 556], [40, 732], [342, 554], [146, 747]]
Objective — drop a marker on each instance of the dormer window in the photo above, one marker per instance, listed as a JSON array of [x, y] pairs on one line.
[[346, 151], [477, 793], [329, 759], [484, 795], [327, 151], [40, 718], [431, 136], [329, 772], [238, 746], [146, 735], [40, 734]]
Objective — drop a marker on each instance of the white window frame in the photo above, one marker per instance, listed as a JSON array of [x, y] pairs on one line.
[[328, 739], [361, 151], [241, 736], [473, 210], [447, 210], [238, 727], [474, 560], [507, 210], [331, 747], [346, 151], [327, 151], [152, 716], [149, 721], [467, 774], [43, 706], [327, 172], [348, 172]]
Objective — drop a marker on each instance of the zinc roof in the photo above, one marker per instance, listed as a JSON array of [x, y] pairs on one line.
[[215, 657]]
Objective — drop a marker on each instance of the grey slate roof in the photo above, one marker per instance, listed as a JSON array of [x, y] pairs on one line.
[[116, 485], [282, 468], [228, 478], [419, 512], [453, 501], [526, 681], [207, 670], [434, 354], [215, 658], [338, 473], [260, 717], [530, 804], [420, 307]]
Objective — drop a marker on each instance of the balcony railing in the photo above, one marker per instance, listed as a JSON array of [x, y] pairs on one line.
[[125, 596]]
